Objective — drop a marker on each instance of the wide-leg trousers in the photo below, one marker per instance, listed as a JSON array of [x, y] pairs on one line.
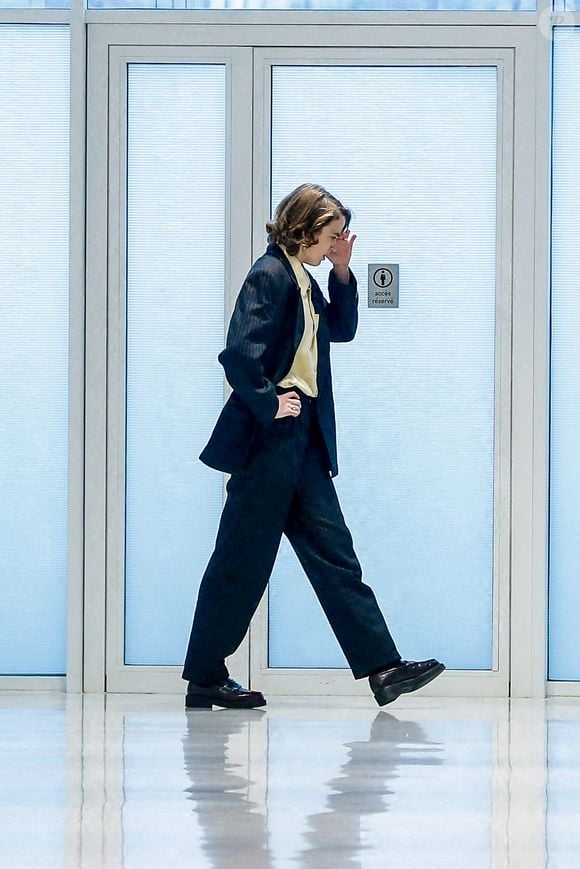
[[284, 489]]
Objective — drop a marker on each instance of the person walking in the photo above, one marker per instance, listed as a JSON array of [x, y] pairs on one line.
[[276, 437]]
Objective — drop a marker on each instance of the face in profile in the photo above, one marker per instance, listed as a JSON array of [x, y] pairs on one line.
[[329, 235]]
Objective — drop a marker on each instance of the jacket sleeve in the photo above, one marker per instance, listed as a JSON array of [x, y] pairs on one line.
[[342, 310], [253, 329]]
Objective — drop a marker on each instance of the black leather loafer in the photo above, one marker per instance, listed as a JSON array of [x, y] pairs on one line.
[[228, 694], [404, 677]]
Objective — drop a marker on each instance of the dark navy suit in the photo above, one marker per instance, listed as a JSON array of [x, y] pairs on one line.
[[280, 480], [264, 333]]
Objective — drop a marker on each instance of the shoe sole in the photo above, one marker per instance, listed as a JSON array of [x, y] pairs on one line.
[[391, 692], [200, 702]]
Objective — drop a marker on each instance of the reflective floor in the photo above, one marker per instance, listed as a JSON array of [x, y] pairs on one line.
[[135, 781]]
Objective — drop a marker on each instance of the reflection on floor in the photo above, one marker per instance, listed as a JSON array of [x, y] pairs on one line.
[[135, 781]]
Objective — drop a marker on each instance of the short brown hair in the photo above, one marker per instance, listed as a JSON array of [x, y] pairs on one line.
[[301, 216]]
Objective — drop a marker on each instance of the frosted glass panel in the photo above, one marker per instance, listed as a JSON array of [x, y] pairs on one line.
[[340, 5], [175, 329], [416, 161], [564, 596], [34, 4], [34, 171]]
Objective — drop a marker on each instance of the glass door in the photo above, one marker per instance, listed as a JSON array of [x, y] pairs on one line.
[[418, 143], [179, 226], [564, 610], [190, 146]]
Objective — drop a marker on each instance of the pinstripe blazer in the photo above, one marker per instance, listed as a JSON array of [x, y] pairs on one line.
[[263, 335]]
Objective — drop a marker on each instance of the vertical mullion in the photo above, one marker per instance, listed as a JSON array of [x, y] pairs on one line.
[[78, 82]]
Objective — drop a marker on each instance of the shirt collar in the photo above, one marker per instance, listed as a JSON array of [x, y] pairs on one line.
[[299, 271]]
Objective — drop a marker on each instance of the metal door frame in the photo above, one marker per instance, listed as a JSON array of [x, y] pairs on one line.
[[106, 376], [521, 508], [513, 634]]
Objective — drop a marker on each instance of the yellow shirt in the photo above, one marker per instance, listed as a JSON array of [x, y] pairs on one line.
[[303, 369]]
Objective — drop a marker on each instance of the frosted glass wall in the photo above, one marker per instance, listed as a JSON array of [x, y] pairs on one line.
[[34, 240], [564, 596], [34, 4], [413, 152], [340, 5], [175, 329]]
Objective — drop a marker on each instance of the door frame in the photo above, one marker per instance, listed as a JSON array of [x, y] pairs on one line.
[[522, 508], [106, 376], [493, 682]]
